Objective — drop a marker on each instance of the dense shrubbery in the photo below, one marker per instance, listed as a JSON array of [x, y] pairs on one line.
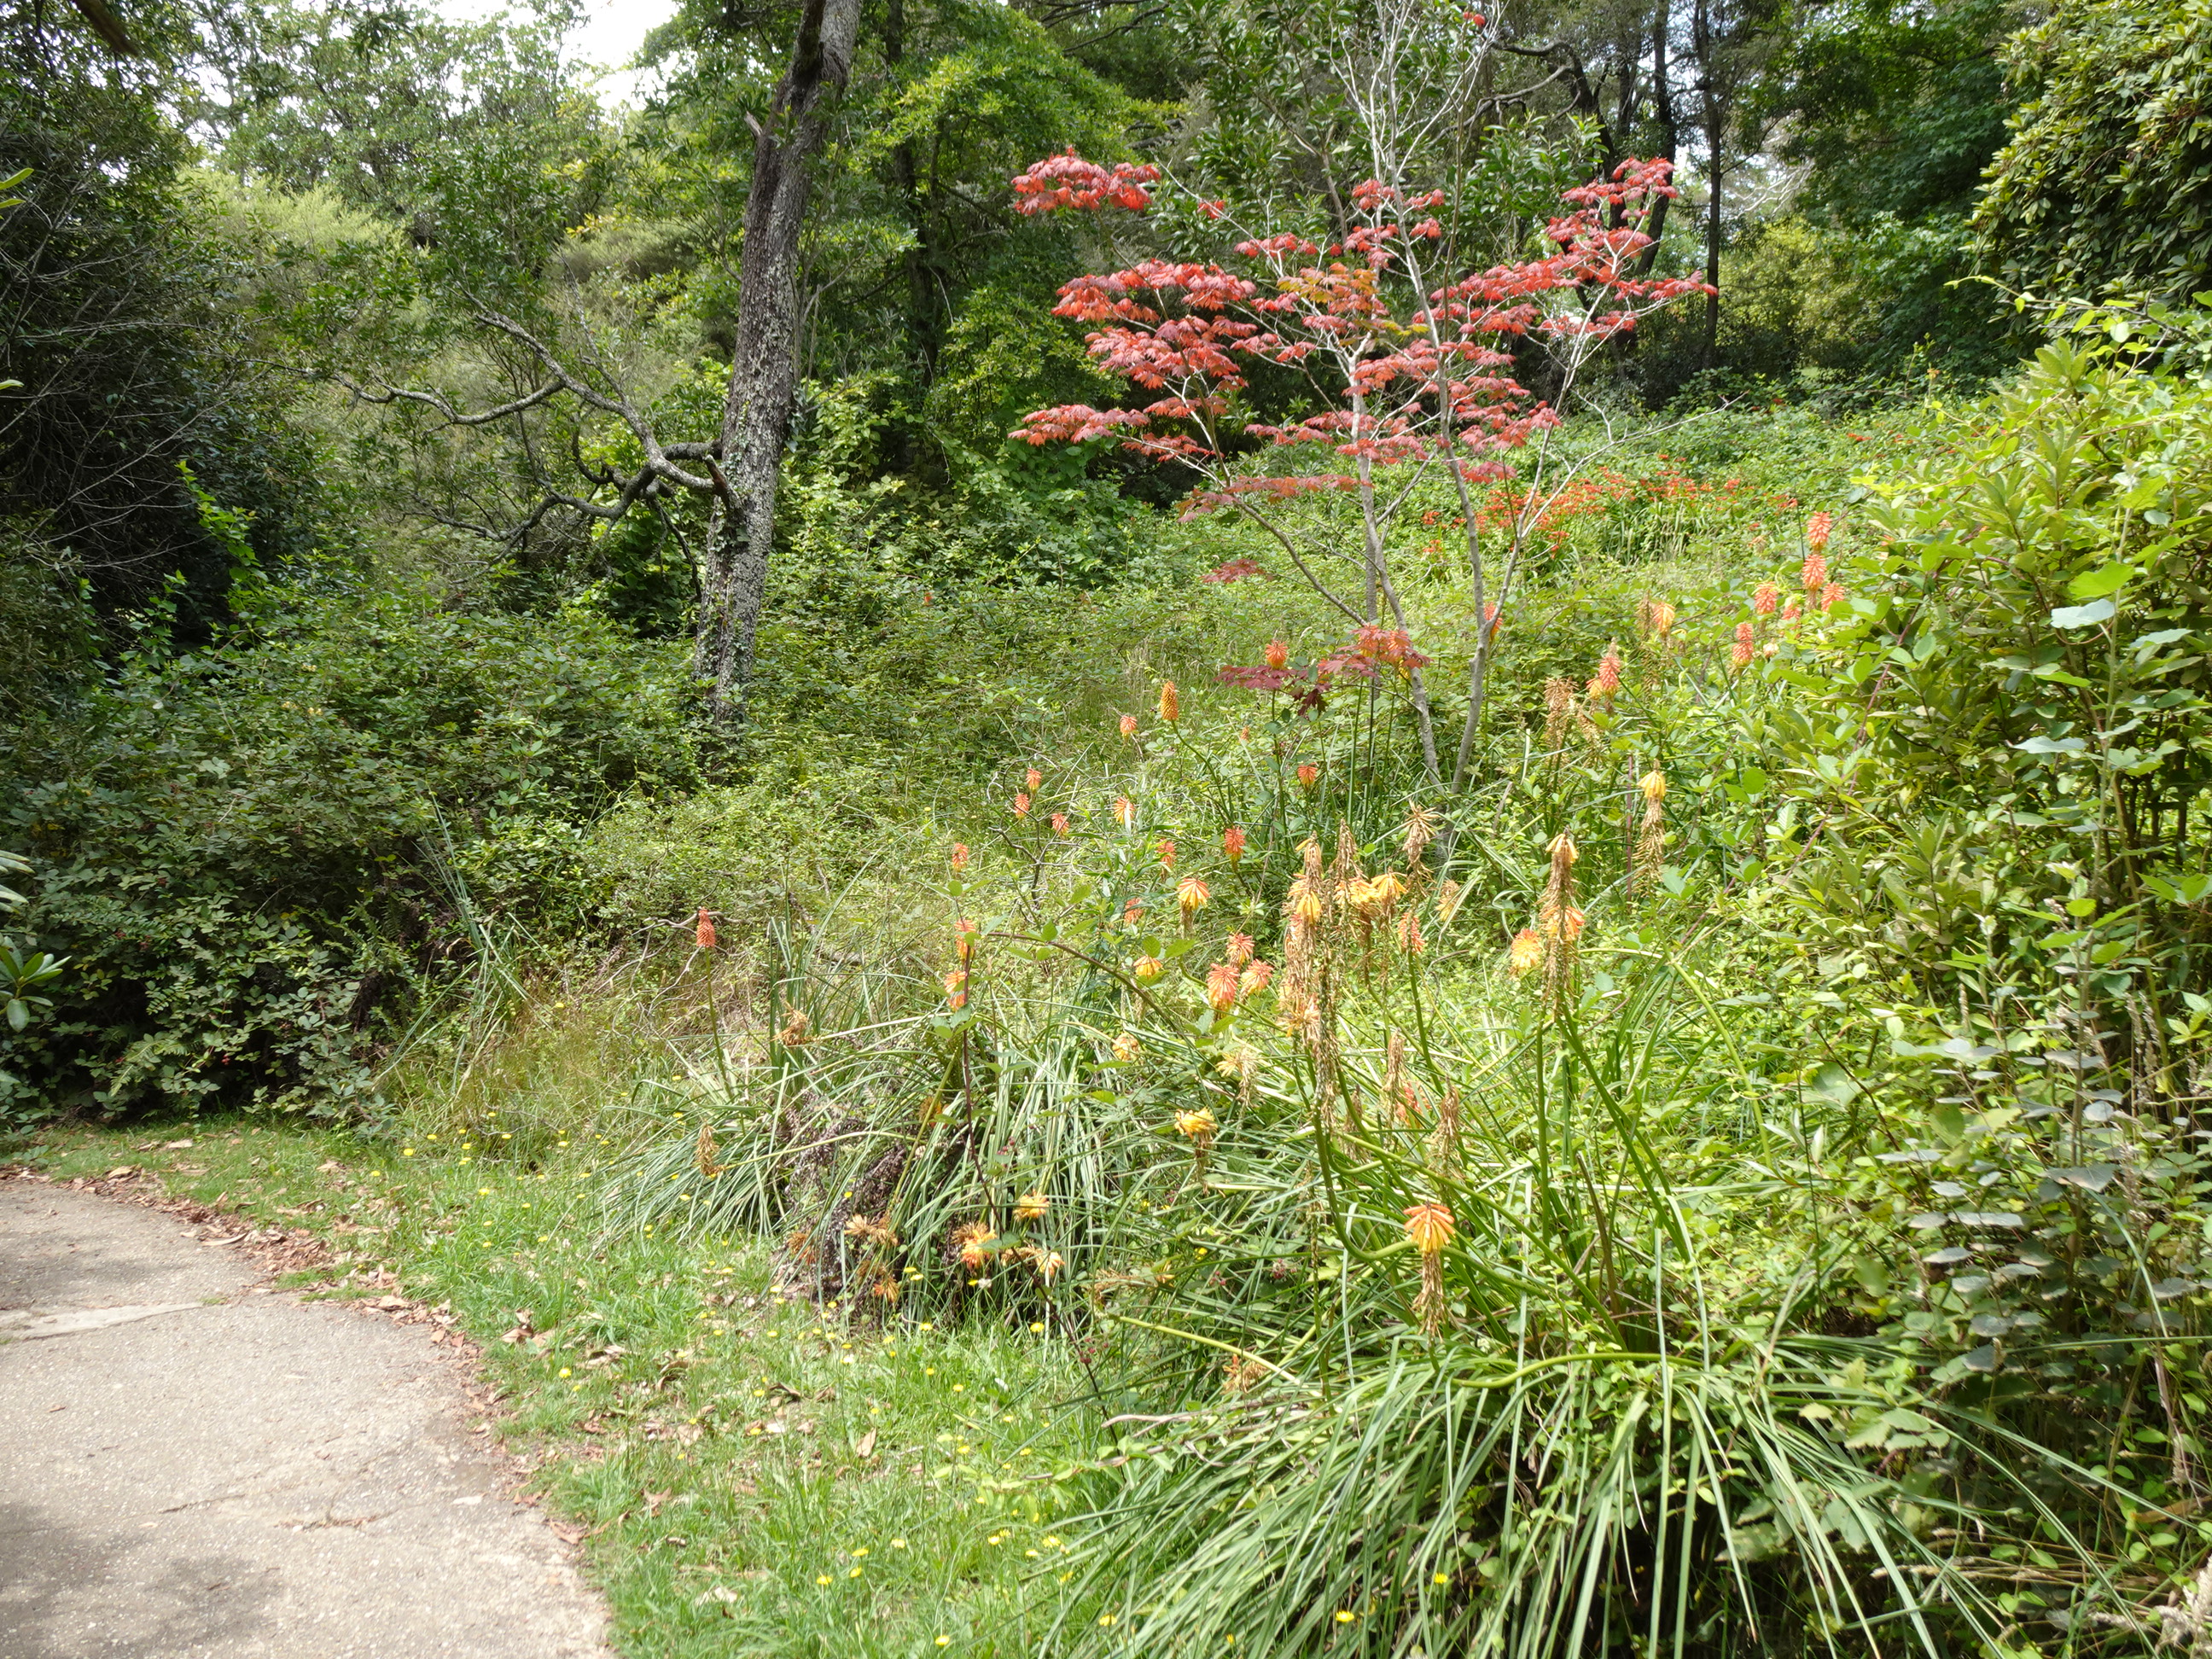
[[250, 849], [1756, 1198]]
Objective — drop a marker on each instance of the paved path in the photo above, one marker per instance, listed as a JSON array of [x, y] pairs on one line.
[[190, 1468]]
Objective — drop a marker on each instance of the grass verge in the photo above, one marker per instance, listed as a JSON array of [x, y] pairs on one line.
[[754, 1475]]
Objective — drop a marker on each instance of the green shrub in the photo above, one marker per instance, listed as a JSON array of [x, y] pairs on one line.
[[253, 851]]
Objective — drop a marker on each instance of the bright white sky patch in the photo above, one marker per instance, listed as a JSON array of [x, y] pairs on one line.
[[612, 32]]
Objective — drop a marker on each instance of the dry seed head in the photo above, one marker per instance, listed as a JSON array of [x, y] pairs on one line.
[[1449, 897], [1422, 823], [1559, 710]]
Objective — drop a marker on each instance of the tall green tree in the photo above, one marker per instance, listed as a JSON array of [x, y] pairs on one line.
[[2106, 178]]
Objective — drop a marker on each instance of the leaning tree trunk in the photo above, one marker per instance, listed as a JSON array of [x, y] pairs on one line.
[[764, 369]]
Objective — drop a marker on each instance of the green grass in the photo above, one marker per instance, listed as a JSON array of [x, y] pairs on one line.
[[757, 1475]]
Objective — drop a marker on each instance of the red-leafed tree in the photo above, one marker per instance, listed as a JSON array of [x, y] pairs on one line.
[[1412, 370]]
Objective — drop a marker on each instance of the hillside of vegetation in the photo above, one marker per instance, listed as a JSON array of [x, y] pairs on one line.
[[1440, 981]]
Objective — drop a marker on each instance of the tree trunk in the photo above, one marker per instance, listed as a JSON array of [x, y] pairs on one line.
[[1670, 128], [1713, 118], [764, 368]]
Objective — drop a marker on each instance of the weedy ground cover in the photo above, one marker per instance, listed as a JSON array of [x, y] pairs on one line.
[[753, 1474]]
